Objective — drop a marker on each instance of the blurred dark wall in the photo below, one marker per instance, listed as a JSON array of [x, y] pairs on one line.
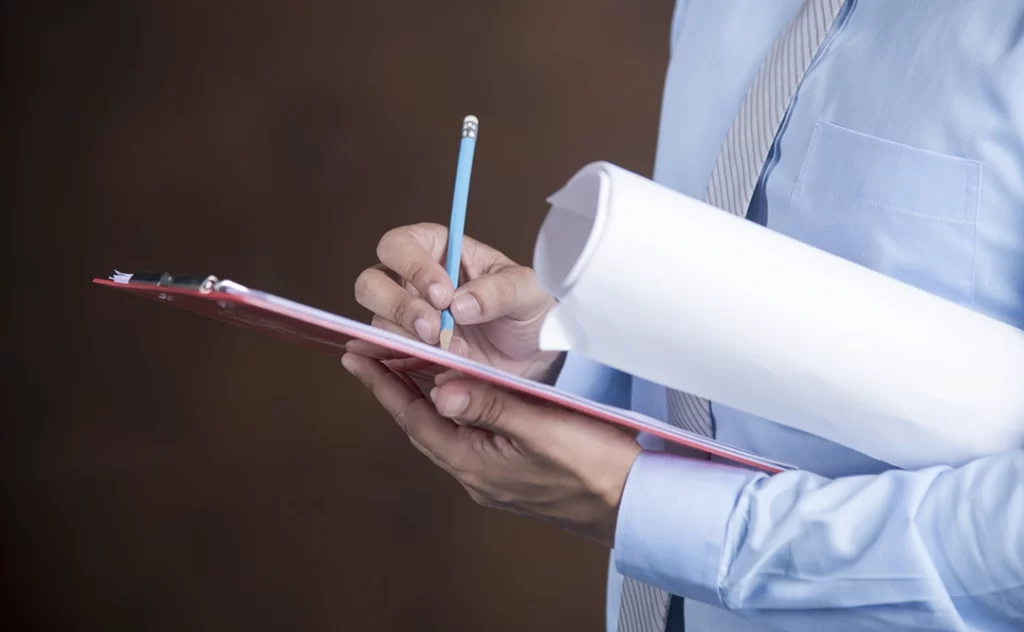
[[165, 472]]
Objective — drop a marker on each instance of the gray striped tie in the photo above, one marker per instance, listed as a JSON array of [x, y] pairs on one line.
[[644, 608]]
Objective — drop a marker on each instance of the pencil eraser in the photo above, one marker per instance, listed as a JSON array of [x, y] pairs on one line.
[[471, 119]]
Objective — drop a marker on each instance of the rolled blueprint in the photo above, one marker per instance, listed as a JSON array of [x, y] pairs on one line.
[[675, 291]]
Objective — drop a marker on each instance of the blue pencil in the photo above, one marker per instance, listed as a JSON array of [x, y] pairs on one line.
[[470, 127]]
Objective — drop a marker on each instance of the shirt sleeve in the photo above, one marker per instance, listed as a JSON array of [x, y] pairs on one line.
[[936, 549]]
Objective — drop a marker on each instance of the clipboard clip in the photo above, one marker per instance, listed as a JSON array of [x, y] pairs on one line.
[[201, 284]]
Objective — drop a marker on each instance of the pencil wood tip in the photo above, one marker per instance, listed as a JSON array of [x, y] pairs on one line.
[[446, 339]]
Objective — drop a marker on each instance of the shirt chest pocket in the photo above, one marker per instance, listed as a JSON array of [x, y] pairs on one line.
[[906, 212]]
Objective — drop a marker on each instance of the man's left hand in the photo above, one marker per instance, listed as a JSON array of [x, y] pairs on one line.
[[511, 453]]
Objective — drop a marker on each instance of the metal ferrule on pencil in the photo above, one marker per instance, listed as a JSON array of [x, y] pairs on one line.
[[469, 128]]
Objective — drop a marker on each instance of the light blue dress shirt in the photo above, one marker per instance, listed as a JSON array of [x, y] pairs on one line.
[[903, 151]]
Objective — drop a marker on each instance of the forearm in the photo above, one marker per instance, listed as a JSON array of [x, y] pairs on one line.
[[808, 553]]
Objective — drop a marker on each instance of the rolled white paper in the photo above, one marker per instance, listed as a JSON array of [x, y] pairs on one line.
[[672, 290]]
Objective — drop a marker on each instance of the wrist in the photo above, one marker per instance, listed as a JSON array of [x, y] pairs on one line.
[[608, 486]]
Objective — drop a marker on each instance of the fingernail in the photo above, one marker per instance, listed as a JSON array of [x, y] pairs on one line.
[[454, 405], [422, 328], [433, 394], [346, 361], [465, 307], [437, 294]]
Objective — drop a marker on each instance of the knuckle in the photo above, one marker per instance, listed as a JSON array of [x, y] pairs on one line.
[[495, 499], [410, 288], [500, 498], [401, 419], [474, 495], [492, 408], [379, 322], [387, 240], [416, 272], [363, 286], [429, 234], [506, 290], [400, 311], [433, 229], [419, 447], [422, 449], [404, 249], [471, 480], [457, 466], [480, 498]]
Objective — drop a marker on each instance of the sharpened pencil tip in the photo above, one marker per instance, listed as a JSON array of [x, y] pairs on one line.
[[446, 339]]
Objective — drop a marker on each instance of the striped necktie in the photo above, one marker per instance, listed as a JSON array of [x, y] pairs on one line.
[[644, 608]]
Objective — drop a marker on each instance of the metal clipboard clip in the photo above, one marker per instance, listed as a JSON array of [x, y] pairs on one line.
[[201, 284]]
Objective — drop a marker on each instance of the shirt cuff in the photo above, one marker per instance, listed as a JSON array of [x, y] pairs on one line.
[[672, 523]]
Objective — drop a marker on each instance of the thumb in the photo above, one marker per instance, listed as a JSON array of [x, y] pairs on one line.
[[512, 292], [484, 406]]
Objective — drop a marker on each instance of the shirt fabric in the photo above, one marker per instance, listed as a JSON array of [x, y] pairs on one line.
[[903, 151]]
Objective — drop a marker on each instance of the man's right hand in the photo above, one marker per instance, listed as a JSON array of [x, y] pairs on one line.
[[498, 308]]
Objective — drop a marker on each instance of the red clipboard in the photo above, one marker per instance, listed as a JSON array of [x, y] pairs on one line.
[[259, 311]]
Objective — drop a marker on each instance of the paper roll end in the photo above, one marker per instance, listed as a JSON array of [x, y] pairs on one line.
[[572, 229], [554, 336]]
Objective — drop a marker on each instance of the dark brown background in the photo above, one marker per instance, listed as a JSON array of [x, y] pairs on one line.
[[165, 472]]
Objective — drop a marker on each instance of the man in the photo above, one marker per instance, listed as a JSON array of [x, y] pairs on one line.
[[897, 144]]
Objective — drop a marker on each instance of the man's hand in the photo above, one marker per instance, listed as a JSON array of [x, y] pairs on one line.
[[526, 457], [498, 308]]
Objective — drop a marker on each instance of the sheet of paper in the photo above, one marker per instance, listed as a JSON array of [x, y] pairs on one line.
[[295, 322], [672, 290]]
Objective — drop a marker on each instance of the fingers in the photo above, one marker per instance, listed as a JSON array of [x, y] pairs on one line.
[[512, 292], [414, 253], [499, 288], [378, 292], [448, 376], [484, 406], [443, 440]]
